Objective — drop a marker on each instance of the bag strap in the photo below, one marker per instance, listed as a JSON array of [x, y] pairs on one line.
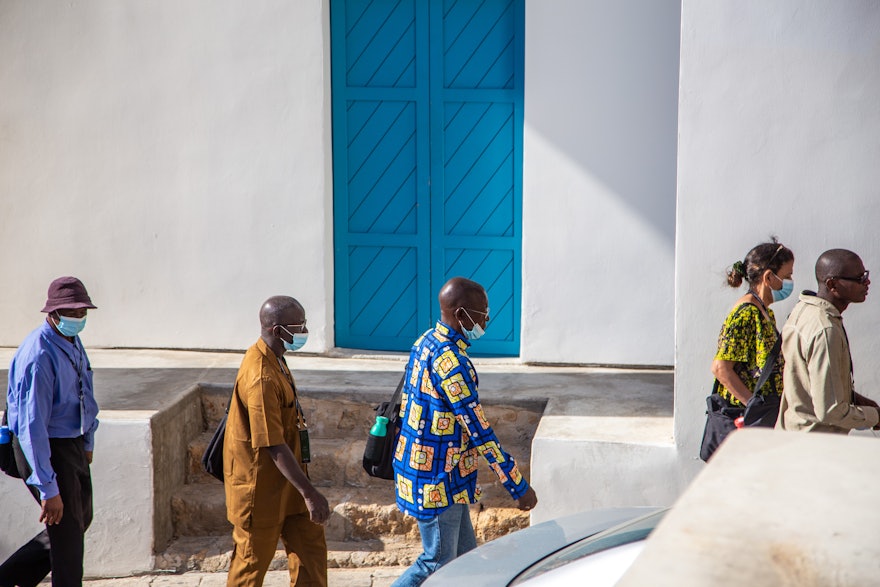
[[774, 352], [770, 362], [395, 399]]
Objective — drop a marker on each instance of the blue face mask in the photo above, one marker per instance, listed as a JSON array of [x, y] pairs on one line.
[[784, 291], [69, 326], [299, 340], [476, 332]]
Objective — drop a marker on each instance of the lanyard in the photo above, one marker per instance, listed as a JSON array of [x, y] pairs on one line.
[[301, 420], [78, 366]]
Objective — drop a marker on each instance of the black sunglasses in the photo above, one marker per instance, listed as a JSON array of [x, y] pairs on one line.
[[863, 278]]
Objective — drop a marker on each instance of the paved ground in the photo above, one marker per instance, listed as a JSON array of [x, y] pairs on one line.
[[373, 577]]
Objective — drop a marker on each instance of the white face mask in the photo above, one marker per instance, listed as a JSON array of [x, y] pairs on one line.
[[784, 291], [476, 332], [70, 326], [298, 342]]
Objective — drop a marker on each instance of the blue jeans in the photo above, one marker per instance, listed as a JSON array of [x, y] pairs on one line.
[[444, 538]]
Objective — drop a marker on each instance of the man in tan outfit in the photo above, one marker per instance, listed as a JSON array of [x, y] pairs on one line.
[[268, 492], [818, 393]]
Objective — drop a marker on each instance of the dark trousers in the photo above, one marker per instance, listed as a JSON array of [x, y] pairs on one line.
[[58, 548]]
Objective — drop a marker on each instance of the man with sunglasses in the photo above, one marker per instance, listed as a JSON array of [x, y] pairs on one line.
[[818, 387], [265, 451], [52, 414], [444, 433]]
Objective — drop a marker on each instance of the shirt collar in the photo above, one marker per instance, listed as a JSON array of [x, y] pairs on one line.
[[58, 340], [810, 298], [265, 350], [452, 334]]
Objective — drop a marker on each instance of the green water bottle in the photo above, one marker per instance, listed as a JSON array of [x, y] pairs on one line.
[[376, 440]]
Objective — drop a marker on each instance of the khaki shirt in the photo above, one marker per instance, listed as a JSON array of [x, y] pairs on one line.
[[263, 413], [817, 392]]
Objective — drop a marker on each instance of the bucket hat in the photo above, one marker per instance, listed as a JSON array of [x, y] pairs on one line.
[[67, 293]]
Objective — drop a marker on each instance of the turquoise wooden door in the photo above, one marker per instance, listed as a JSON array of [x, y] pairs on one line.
[[427, 149]]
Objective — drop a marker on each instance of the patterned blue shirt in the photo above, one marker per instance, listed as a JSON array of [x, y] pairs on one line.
[[444, 431], [50, 395]]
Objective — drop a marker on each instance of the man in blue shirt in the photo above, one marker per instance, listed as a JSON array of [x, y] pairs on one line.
[[52, 414], [444, 432]]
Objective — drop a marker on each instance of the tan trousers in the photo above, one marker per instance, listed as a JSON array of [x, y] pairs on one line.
[[303, 541]]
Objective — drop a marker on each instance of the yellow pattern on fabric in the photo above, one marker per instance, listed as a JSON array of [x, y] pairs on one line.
[[404, 488], [499, 471], [461, 497], [401, 447], [403, 399], [481, 417], [427, 386], [445, 363], [453, 455], [415, 416], [492, 449], [468, 462], [443, 423], [515, 475], [421, 458], [746, 339], [434, 496], [456, 388]]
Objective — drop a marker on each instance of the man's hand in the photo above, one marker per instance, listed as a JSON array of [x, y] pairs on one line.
[[89, 456], [319, 509], [53, 510], [284, 459], [528, 501]]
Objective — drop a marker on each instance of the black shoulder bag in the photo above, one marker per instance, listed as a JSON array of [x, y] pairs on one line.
[[212, 460], [7, 454], [383, 468], [761, 410]]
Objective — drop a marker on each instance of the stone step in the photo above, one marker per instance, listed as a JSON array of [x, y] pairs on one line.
[[199, 510], [357, 514], [332, 416], [195, 474], [334, 462], [338, 463], [215, 399], [336, 417], [211, 554]]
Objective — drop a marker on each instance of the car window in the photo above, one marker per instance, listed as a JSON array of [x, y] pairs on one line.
[[626, 533]]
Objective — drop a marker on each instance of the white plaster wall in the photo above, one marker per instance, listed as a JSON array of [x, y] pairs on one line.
[[577, 475], [172, 155], [120, 539], [601, 99], [19, 515], [779, 134], [177, 158]]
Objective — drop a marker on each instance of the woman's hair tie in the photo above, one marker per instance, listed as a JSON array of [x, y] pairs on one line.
[[739, 268]]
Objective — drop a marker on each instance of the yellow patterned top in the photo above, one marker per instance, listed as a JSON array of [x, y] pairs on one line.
[[746, 338]]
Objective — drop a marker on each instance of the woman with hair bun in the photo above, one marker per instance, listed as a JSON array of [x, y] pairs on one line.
[[749, 333]]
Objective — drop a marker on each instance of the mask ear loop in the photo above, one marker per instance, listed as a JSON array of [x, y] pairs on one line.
[[466, 313]]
